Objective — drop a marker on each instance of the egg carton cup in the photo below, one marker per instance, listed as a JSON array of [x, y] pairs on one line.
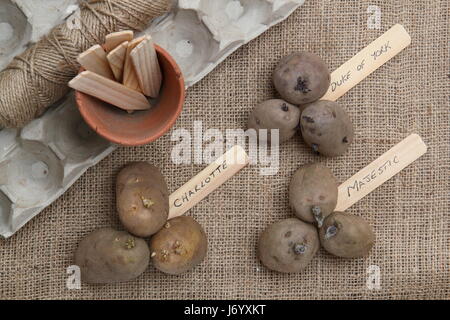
[[26, 21], [200, 34], [41, 161]]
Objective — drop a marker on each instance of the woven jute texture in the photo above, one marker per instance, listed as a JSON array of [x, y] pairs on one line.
[[409, 214]]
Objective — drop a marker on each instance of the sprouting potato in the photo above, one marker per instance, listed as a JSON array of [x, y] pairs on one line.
[[179, 246], [288, 245], [313, 193], [275, 114], [346, 235], [301, 77], [326, 128], [107, 255], [142, 199]]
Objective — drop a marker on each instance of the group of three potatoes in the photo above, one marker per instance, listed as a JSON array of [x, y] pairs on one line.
[[176, 245], [301, 79], [289, 245]]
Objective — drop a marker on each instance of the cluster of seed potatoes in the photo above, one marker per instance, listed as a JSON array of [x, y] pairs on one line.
[[176, 245], [289, 245], [302, 79]]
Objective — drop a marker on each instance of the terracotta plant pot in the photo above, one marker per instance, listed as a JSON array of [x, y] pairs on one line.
[[140, 127]]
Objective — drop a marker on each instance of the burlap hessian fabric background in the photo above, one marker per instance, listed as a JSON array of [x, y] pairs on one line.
[[409, 214]]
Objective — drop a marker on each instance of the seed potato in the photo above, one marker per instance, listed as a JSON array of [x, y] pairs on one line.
[[288, 245], [107, 256], [313, 193], [346, 235], [301, 77], [326, 128], [179, 246], [142, 199], [275, 114]]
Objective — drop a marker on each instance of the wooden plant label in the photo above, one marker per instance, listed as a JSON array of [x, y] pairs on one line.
[[109, 91], [130, 79], [367, 61], [94, 59], [115, 39], [146, 65], [380, 171], [208, 180], [116, 59]]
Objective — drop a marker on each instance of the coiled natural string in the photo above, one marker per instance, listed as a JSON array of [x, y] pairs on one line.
[[38, 78]]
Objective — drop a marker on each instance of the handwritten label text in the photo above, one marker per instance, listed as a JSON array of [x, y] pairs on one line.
[[358, 185], [347, 75], [186, 197]]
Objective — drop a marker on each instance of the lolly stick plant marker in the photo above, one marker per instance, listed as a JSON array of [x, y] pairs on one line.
[[115, 39], [342, 80], [380, 171], [367, 61], [94, 59], [208, 180], [145, 61], [129, 73], [116, 59], [109, 91]]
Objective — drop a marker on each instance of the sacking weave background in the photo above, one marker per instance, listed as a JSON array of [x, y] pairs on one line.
[[409, 214]]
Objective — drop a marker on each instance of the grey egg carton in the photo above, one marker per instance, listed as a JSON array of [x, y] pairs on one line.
[[200, 34], [41, 161], [25, 21]]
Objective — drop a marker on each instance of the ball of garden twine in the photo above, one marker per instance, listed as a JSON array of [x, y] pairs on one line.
[[38, 78]]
